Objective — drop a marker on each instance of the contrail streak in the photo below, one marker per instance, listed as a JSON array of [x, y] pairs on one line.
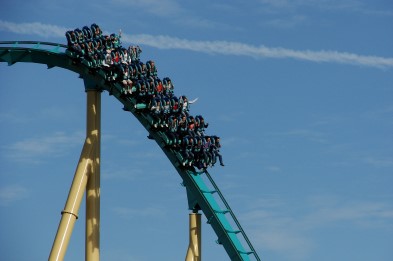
[[213, 47]]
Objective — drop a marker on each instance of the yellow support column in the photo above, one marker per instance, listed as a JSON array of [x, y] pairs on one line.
[[92, 240], [70, 212], [194, 248], [87, 176]]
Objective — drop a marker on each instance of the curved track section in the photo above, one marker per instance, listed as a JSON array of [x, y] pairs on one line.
[[202, 192]]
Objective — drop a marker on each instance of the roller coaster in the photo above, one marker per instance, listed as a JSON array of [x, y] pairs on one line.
[[203, 193]]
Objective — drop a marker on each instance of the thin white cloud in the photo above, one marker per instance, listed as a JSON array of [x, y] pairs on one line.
[[215, 47], [362, 214], [287, 21], [285, 242], [278, 232], [129, 174], [305, 134], [157, 7], [40, 29], [274, 169], [323, 4], [278, 3], [275, 227], [13, 117], [242, 49], [172, 11], [12, 193], [336, 5], [34, 150], [379, 162]]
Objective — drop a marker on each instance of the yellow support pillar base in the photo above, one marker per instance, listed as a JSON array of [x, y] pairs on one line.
[[71, 209], [194, 247]]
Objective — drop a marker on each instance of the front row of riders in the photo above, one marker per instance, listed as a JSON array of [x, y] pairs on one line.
[[168, 114]]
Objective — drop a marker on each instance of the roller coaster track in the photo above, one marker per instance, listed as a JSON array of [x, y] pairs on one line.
[[200, 186]]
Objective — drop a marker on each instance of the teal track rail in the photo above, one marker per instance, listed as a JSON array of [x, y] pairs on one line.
[[202, 191]]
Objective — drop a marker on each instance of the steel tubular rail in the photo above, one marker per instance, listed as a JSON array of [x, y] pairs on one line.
[[16, 43], [17, 53]]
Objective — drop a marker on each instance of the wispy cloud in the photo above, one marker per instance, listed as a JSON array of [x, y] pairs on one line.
[[173, 12], [379, 162], [278, 232], [322, 4], [275, 227], [363, 214], [273, 169], [242, 49], [12, 193], [286, 22], [14, 117], [306, 134], [215, 47], [33, 150], [156, 7], [129, 174], [339, 5], [40, 29]]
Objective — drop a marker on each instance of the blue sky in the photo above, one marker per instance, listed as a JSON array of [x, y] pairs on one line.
[[300, 92]]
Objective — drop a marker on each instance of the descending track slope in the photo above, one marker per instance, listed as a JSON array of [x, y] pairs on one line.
[[202, 192]]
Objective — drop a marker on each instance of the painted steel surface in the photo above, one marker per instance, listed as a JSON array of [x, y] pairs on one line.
[[200, 196]]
